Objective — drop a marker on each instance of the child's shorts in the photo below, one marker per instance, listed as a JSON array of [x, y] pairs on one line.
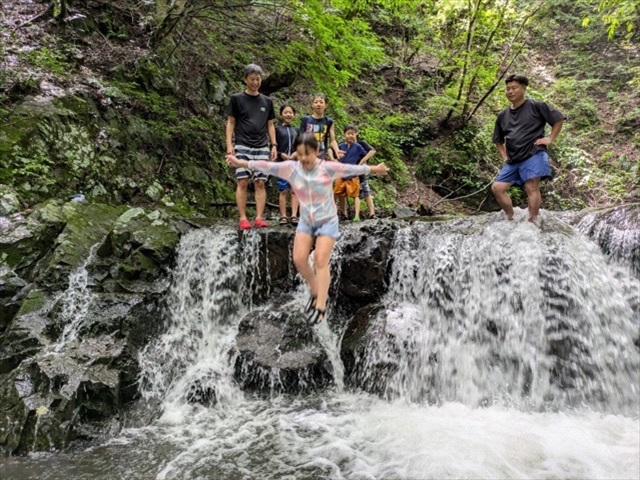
[[365, 189], [283, 185], [347, 187], [329, 229]]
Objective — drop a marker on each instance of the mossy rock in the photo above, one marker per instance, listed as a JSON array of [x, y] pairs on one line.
[[87, 226], [152, 233]]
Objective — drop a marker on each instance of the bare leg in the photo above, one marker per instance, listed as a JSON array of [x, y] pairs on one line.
[[356, 207], [282, 203], [302, 244], [532, 187], [499, 190], [294, 204], [261, 197], [342, 205], [369, 200], [321, 257], [241, 197]]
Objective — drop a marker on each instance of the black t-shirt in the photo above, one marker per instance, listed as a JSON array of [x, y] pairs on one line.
[[320, 128], [252, 114], [519, 127], [286, 139]]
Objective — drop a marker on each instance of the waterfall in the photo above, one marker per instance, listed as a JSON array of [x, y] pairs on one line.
[[213, 281], [481, 312], [498, 350]]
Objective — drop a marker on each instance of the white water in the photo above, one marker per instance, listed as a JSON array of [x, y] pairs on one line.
[[449, 287]]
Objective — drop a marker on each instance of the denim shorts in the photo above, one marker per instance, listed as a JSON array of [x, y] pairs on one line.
[[251, 153], [365, 189], [327, 229], [536, 166]]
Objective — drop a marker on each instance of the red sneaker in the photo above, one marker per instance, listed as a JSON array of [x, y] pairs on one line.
[[244, 224], [260, 223]]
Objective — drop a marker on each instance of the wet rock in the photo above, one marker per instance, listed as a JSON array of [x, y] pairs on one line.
[[13, 290], [617, 232], [87, 225], [275, 270], [24, 241], [278, 352], [26, 334], [203, 390], [64, 393], [364, 266]]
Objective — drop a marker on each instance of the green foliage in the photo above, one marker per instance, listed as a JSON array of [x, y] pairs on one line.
[[49, 60], [461, 165]]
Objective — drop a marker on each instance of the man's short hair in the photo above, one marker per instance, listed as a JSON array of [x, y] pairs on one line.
[[251, 68], [350, 127], [521, 79]]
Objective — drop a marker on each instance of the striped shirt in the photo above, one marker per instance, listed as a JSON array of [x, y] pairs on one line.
[[314, 188]]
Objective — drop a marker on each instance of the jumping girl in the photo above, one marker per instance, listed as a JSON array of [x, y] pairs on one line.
[[311, 180]]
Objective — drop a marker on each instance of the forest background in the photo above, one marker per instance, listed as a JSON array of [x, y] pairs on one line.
[[126, 101]]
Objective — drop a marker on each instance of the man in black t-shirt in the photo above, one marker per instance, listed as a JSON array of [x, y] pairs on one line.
[[249, 131], [519, 137]]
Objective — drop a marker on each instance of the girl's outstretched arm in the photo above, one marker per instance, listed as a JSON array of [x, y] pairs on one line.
[[278, 169]]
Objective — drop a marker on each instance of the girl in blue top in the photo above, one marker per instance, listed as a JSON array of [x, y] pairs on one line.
[[285, 138]]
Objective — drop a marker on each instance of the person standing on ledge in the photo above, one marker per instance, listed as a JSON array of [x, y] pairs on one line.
[[519, 137], [251, 121]]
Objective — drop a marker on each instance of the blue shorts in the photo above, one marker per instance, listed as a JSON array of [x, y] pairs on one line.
[[365, 189], [536, 166], [248, 154], [283, 185], [328, 229]]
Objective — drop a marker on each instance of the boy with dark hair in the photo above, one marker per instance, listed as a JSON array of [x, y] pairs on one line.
[[249, 131], [321, 126], [520, 139], [349, 186]]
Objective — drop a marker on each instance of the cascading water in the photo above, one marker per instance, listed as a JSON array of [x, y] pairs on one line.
[[208, 298], [499, 351], [517, 314]]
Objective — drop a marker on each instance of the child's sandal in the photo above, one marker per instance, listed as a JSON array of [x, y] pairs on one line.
[[315, 317], [294, 220], [283, 221], [311, 303]]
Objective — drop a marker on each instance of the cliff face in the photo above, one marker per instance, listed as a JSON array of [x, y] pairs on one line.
[[124, 104]]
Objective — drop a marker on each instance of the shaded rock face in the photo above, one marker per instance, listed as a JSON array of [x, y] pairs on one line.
[[278, 352], [364, 265], [81, 292]]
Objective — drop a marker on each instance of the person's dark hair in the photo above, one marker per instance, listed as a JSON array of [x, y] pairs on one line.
[[322, 96], [251, 68], [286, 105], [521, 79], [307, 140], [350, 127]]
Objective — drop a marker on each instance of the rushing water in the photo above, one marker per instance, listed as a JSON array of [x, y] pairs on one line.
[[513, 357]]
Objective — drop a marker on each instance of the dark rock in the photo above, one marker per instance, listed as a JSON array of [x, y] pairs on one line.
[[365, 265], [278, 352], [617, 232], [203, 390], [13, 290]]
